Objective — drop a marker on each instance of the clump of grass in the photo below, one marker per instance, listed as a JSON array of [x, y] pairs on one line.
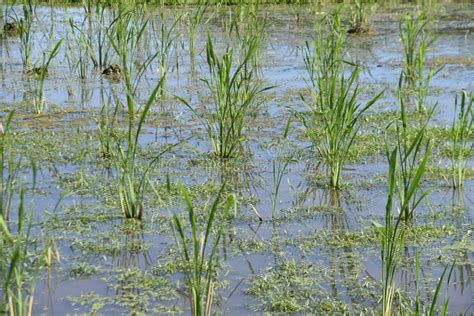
[[199, 251], [334, 103], [416, 40], [461, 129], [234, 95]]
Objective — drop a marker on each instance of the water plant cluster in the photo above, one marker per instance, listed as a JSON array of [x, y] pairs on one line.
[[177, 156]]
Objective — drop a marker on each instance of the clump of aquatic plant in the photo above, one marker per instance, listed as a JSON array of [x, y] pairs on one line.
[[416, 40], [461, 130], [39, 102], [17, 272], [334, 106], [234, 98], [199, 248]]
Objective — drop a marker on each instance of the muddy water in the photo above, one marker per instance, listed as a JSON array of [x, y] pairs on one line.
[[305, 210]]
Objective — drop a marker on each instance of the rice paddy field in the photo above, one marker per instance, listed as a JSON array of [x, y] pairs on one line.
[[237, 158]]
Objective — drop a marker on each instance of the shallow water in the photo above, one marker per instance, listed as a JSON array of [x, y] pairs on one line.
[[310, 218]]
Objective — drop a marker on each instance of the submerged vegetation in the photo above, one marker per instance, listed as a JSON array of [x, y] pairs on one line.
[[236, 157]]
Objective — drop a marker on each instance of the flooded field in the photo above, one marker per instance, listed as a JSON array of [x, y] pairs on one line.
[[237, 159]]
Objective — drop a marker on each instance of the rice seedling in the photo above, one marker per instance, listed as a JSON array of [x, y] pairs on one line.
[[194, 21], [279, 167], [25, 24], [78, 52], [334, 104], [132, 183], [199, 251], [164, 42], [125, 35], [17, 273], [416, 40], [413, 155], [106, 130], [103, 45], [251, 27], [234, 95], [392, 235], [8, 168], [419, 307], [39, 102], [461, 130], [391, 238], [359, 18]]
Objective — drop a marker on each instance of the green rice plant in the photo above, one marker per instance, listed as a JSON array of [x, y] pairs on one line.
[[194, 20], [413, 155], [461, 130], [164, 42], [199, 251], [234, 95], [78, 52], [132, 182], [128, 30], [25, 24], [391, 238], [250, 27], [106, 130], [17, 272], [359, 17], [39, 102], [125, 35], [8, 169], [430, 309], [416, 40], [279, 167], [103, 45], [334, 108]]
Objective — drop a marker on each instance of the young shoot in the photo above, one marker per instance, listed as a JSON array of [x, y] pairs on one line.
[[461, 130]]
